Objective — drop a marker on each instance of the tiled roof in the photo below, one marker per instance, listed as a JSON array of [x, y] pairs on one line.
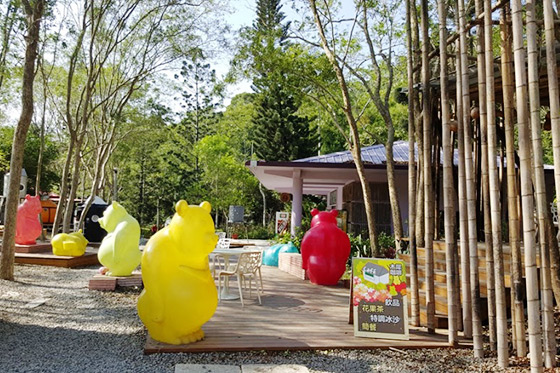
[[374, 155]]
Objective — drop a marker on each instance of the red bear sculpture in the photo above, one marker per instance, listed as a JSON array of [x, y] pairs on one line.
[[324, 249], [28, 227]]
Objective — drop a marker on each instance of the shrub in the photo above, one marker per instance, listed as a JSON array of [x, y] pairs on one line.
[[259, 232], [287, 237]]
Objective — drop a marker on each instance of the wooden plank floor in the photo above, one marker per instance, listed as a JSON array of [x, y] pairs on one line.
[[295, 315], [49, 259]]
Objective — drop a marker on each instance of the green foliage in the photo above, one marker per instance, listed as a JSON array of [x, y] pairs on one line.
[[359, 246], [279, 133], [236, 121], [386, 240], [387, 245], [224, 179], [259, 232], [30, 157], [548, 157], [4, 162], [287, 238]]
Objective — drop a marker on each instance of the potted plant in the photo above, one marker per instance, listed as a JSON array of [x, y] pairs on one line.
[[387, 244]]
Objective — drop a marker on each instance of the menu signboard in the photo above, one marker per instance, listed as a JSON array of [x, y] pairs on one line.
[[379, 298], [282, 222]]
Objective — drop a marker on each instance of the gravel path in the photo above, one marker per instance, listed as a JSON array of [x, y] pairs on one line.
[[51, 322]]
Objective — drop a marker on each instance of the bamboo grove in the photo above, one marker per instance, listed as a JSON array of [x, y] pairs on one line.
[[483, 86]]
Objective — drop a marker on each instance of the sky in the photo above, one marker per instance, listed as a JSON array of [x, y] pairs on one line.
[[243, 15]]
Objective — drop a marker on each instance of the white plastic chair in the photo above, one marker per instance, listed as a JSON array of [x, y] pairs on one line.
[[246, 269], [217, 261]]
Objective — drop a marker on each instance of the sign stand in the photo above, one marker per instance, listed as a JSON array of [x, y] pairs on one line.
[[379, 298]]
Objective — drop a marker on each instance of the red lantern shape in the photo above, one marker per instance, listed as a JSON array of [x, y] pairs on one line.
[[28, 227], [325, 249]]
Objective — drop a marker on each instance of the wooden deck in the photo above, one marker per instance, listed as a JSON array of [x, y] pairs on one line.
[[39, 247], [49, 259], [295, 315]]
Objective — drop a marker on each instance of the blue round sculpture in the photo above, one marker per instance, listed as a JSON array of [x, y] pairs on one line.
[[270, 255]]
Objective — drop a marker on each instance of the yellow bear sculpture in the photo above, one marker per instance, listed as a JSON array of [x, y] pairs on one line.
[[179, 293], [69, 244], [119, 251]]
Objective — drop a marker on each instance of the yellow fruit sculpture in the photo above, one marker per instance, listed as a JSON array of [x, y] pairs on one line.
[[179, 293], [69, 244], [119, 251]]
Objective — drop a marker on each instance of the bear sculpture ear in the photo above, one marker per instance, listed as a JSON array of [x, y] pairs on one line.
[[27, 197], [181, 207], [206, 206], [314, 212], [79, 231], [334, 212]]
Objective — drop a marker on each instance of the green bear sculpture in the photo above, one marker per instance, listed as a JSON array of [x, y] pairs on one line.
[[119, 251]]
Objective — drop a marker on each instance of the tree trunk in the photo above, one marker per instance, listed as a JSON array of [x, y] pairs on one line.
[[531, 273], [539, 186], [393, 197], [449, 190], [419, 128], [69, 211], [414, 298], [61, 207], [382, 105], [94, 188], [42, 139], [517, 292], [264, 205], [34, 13], [428, 197], [356, 148], [553, 94]]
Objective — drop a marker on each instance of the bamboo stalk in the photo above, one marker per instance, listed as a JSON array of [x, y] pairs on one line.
[[553, 92], [428, 197], [539, 187], [420, 190], [449, 190], [419, 128], [470, 171], [463, 223], [531, 273], [490, 289], [469, 204], [518, 308], [414, 303]]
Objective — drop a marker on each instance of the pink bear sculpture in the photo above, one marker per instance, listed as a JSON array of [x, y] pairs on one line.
[[28, 227], [324, 249]]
